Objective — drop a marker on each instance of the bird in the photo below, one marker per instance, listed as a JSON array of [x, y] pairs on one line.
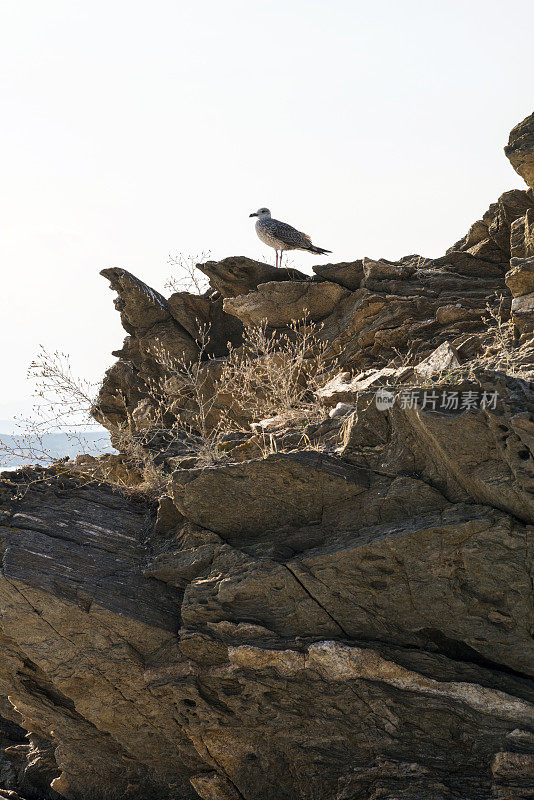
[[282, 236]]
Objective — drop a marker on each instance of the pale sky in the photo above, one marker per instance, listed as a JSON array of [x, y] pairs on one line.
[[131, 130]]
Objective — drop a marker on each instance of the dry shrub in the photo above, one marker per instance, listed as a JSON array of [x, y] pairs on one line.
[[500, 348], [63, 404], [197, 410], [272, 374], [186, 277], [276, 374]]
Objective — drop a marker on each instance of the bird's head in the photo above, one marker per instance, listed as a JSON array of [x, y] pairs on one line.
[[261, 212]]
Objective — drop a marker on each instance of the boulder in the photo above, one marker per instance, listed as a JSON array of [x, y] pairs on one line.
[[257, 491], [281, 303], [520, 278], [523, 314], [204, 319], [522, 235], [344, 389], [348, 274], [240, 275], [442, 359], [520, 149]]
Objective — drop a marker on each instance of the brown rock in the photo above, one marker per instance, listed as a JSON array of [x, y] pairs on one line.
[[385, 270], [522, 235], [280, 304], [442, 359], [257, 491], [204, 319], [348, 274], [523, 314], [344, 389], [348, 621], [212, 786], [520, 149], [520, 279], [240, 275]]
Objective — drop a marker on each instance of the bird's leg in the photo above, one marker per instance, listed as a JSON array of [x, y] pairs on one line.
[[276, 255], [281, 256]]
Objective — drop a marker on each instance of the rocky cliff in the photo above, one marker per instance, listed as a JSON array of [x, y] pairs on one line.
[[347, 615]]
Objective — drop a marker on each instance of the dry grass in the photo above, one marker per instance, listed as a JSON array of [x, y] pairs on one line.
[[198, 411], [208, 411]]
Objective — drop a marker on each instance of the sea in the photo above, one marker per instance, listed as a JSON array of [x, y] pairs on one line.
[[16, 449]]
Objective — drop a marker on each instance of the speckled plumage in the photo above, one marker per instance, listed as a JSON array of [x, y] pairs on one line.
[[282, 236]]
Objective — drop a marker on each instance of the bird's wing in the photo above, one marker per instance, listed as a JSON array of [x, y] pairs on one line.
[[287, 234]]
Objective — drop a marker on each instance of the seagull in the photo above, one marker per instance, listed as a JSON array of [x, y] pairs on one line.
[[282, 236]]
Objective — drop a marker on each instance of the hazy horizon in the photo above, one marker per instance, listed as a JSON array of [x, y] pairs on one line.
[[133, 131]]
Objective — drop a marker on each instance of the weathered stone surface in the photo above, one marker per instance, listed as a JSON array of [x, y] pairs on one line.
[[81, 623], [481, 454], [418, 555], [522, 235], [348, 274], [201, 315], [281, 303], [443, 358], [240, 275], [523, 314], [154, 335], [520, 279], [339, 608], [489, 238], [344, 389], [520, 149], [385, 270], [258, 496]]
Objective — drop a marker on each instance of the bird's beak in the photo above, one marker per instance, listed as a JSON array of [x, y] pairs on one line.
[[253, 215]]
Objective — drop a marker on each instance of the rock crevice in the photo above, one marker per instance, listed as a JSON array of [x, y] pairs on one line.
[[346, 616]]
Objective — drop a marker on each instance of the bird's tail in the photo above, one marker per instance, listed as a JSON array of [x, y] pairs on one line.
[[319, 250]]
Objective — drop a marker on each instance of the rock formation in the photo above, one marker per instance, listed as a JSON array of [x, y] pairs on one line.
[[345, 617]]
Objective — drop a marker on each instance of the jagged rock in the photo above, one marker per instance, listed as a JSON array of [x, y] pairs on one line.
[[520, 149], [365, 572], [154, 337], [520, 279], [371, 310], [212, 786], [203, 317], [257, 492], [456, 312], [383, 601], [348, 274], [468, 452], [385, 270], [140, 306], [280, 304], [443, 358], [488, 239], [344, 389], [523, 313], [79, 638], [522, 236], [338, 609], [240, 275]]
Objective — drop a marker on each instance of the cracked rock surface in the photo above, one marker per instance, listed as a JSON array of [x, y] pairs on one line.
[[348, 621]]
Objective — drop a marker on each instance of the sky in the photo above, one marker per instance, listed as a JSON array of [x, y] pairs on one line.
[[132, 131]]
